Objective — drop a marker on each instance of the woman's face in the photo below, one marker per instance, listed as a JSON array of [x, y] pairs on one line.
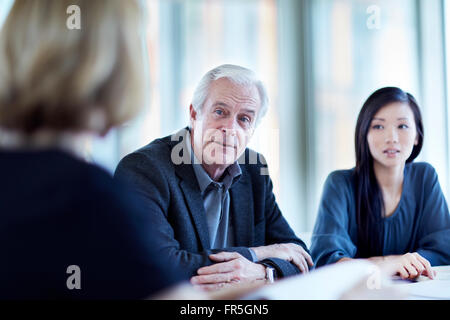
[[392, 134]]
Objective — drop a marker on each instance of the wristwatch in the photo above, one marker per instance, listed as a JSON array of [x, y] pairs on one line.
[[270, 274]]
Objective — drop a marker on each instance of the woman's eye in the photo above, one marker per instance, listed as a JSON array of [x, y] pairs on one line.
[[377, 127], [403, 126]]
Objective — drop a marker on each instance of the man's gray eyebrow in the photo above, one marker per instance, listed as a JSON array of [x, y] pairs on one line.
[[250, 111], [223, 104], [220, 103]]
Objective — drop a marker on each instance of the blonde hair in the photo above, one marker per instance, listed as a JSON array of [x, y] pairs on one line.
[[56, 78]]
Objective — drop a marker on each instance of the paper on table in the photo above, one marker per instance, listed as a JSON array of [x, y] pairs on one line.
[[433, 289], [442, 272], [328, 283], [425, 288], [439, 288]]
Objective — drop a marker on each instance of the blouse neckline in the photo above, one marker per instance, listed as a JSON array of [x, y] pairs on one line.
[[402, 197]]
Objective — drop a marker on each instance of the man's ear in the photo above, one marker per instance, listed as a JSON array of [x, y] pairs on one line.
[[192, 113], [193, 116]]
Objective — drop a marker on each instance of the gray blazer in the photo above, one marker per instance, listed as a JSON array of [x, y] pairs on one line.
[[172, 198]]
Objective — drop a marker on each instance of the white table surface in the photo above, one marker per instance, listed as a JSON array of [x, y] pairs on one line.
[[424, 288]]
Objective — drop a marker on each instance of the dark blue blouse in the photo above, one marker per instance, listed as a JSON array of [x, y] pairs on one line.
[[420, 223], [57, 211]]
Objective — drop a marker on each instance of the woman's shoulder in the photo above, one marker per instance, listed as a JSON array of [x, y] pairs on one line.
[[421, 176], [103, 186], [421, 166], [421, 170], [88, 182], [341, 177], [340, 181]]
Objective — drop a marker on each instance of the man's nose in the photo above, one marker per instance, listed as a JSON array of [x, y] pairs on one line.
[[229, 127], [228, 133]]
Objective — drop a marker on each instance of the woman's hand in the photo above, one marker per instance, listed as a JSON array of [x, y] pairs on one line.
[[411, 265]]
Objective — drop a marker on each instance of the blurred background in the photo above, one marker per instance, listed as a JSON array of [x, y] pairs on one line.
[[319, 59]]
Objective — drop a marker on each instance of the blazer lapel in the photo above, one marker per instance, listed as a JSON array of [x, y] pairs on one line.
[[242, 210], [194, 201], [190, 189]]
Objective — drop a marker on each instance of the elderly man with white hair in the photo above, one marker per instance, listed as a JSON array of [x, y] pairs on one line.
[[209, 195]]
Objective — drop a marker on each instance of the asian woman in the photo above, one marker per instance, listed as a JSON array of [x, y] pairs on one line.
[[387, 209]]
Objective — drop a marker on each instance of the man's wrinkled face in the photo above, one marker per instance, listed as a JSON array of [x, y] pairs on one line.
[[224, 126]]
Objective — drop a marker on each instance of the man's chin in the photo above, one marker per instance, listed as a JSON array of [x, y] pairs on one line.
[[225, 160]]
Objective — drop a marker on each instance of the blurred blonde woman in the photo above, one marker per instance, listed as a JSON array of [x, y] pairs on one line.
[[67, 229]]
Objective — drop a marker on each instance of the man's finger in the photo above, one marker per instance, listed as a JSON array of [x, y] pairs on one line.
[[221, 267], [224, 256], [210, 287], [308, 259], [305, 264], [211, 278], [305, 254], [301, 260], [298, 262]]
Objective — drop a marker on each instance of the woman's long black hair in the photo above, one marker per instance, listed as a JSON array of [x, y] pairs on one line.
[[369, 199]]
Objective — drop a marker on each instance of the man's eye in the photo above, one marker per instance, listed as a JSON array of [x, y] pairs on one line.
[[219, 112], [245, 119]]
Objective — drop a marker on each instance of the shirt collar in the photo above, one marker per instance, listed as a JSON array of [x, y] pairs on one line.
[[231, 175]]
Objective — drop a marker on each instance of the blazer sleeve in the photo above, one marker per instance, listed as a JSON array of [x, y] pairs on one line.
[[150, 182], [278, 231], [434, 234], [331, 240]]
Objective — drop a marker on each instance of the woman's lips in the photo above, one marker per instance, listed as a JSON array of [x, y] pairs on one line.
[[391, 153]]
